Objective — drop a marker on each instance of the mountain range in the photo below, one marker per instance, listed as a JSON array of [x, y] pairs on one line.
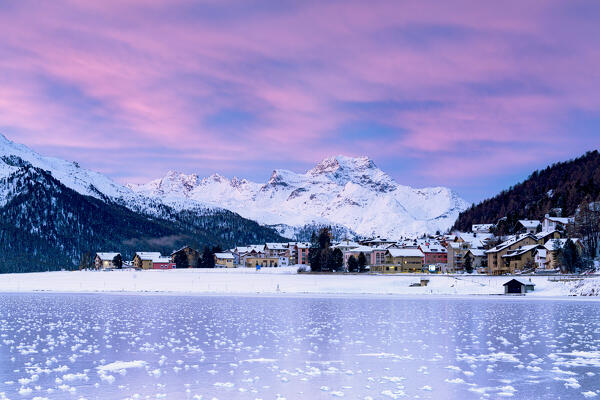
[[351, 193], [54, 211]]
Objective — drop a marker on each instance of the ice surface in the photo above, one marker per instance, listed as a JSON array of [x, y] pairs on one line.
[[109, 346]]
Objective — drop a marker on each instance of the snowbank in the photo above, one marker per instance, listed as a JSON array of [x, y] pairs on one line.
[[280, 280]]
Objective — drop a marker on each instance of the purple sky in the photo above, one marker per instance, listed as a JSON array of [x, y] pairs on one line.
[[469, 94]]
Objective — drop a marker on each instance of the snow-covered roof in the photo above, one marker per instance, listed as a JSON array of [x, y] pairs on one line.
[[162, 260], [542, 253], [520, 251], [560, 220], [406, 253], [481, 227], [107, 256], [543, 234], [178, 250], [361, 249], [224, 256], [475, 240], [276, 246], [477, 252], [433, 248], [550, 244], [512, 240], [347, 244], [148, 255], [529, 223]]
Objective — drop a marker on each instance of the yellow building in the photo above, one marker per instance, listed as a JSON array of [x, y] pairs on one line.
[[223, 260], [105, 260], [496, 264], [145, 259], [401, 260], [522, 258], [262, 260]]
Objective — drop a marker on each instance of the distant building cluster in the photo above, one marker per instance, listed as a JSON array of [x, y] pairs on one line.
[[534, 248]]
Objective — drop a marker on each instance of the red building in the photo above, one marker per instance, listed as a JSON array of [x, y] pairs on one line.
[[162, 263], [434, 254]]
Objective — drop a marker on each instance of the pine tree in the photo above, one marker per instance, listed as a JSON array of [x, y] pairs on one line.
[[570, 258], [181, 260], [338, 260], [362, 262], [468, 264], [352, 264], [117, 261]]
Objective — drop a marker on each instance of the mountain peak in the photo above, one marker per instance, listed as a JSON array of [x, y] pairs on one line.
[[335, 163]]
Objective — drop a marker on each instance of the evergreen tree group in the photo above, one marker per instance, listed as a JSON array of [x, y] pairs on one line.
[[321, 257], [557, 189]]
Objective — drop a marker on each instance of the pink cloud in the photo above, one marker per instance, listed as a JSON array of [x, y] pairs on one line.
[[151, 73]]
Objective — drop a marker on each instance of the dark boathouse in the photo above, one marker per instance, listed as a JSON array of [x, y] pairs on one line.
[[514, 287]]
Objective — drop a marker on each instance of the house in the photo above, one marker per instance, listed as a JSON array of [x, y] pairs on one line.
[[346, 245], [253, 261], [555, 223], [377, 242], [544, 236], [242, 253], [105, 260], [552, 246], [529, 226], [478, 258], [163, 263], [223, 260], [522, 258], [456, 253], [192, 256], [496, 264], [514, 287], [434, 253], [377, 255], [277, 249], [540, 258], [401, 260], [355, 252], [481, 228], [301, 250], [145, 259]]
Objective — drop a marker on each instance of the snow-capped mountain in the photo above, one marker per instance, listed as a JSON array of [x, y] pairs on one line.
[[350, 192], [81, 180], [54, 214]]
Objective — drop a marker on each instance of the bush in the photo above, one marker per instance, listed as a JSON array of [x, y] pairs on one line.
[[302, 268]]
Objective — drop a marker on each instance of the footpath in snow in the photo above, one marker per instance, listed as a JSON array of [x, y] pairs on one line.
[[282, 280]]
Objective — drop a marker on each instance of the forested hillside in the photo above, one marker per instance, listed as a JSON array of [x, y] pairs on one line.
[[557, 189], [46, 226]]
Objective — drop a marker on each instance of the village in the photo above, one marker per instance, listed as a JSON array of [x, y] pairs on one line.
[[534, 249]]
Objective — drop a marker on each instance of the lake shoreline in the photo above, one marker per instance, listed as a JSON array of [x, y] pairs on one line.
[[284, 281]]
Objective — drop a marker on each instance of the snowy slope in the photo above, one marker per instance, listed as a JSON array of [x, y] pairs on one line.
[[340, 190], [81, 180]]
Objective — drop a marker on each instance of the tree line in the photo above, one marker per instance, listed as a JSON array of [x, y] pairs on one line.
[[557, 190]]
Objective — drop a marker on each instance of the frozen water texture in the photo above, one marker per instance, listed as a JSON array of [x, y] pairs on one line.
[[110, 346]]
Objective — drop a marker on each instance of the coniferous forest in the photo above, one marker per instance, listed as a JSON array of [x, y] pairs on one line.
[[558, 190], [46, 226]]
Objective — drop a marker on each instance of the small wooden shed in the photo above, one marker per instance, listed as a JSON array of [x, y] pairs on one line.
[[514, 287]]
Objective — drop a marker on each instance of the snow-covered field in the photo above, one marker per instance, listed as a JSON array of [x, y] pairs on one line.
[[281, 280]]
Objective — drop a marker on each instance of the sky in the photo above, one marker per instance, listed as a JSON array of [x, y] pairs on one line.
[[467, 94]]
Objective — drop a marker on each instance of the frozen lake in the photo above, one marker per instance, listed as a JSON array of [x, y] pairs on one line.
[[103, 346]]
